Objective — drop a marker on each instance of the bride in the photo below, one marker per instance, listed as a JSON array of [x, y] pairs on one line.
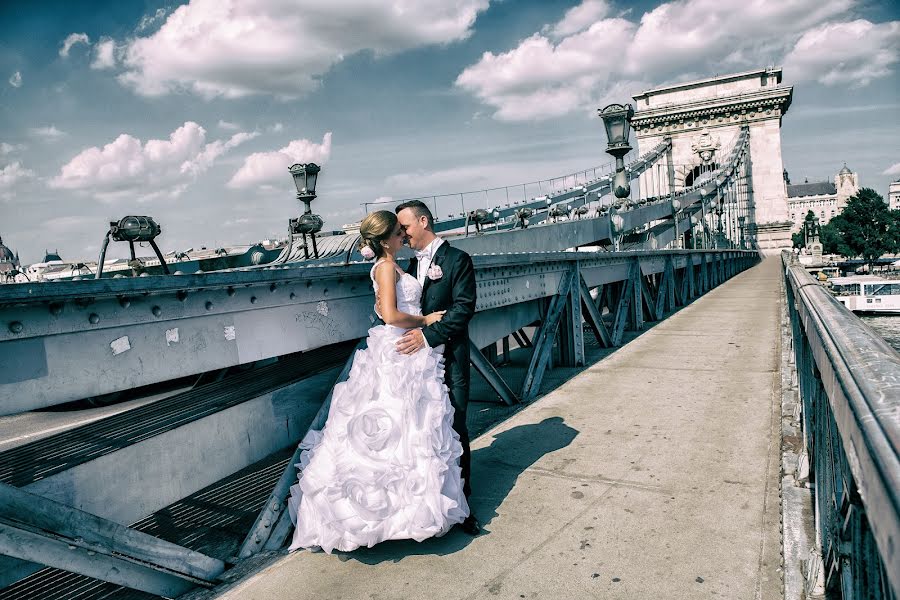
[[386, 464]]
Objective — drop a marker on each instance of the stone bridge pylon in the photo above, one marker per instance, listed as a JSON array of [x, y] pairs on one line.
[[703, 118]]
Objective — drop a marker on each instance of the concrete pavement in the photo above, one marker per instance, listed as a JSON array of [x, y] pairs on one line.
[[652, 474]]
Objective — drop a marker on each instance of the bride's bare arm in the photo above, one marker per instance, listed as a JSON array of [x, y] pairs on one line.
[[386, 277]]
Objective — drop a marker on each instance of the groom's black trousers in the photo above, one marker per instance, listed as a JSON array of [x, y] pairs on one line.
[[459, 398]]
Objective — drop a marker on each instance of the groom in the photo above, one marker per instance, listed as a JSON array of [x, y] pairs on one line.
[[448, 283]]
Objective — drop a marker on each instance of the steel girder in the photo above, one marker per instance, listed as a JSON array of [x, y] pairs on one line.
[[88, 338]]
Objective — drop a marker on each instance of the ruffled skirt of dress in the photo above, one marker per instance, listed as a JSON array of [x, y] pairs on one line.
[[386, 464]]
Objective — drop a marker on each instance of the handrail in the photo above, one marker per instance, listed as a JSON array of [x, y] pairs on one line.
[[842, 362]]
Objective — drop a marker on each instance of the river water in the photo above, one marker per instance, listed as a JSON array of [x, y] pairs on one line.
[[887, 327]]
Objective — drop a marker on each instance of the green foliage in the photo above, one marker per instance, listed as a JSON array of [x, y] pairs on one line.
[[866, 227], [798, 240], [830, 238]]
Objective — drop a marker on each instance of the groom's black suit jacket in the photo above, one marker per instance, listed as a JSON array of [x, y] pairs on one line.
[[455, 293]]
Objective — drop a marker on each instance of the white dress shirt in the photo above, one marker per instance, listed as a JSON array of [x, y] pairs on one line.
[[425, 256]]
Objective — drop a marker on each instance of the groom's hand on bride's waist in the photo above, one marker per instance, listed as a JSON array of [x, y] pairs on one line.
[[411, 342]]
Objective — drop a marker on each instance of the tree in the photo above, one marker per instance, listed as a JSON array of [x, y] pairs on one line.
[[867, 227]]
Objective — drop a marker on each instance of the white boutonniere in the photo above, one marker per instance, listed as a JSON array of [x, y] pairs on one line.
[[434, 272]]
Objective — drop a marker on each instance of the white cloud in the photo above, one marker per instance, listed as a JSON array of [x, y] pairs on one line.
[[6, 148], [12, 173], [235, 48], [894, 169], [149, 21], [540, 79], [15, 79], [586, 55], [697, 35], [261, 168], [851, 53], [47, 133], [580, 17], [157, 168], [71, 40], [228, 125], [10, 176], [276, 128], [104, 54]]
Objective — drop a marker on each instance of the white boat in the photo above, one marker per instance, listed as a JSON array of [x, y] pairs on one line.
[[867, 294]]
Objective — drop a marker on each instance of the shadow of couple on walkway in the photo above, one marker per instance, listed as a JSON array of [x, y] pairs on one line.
[[495, 470]]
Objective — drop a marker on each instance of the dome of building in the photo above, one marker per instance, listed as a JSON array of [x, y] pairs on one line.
[[845, 171], [6, 255]]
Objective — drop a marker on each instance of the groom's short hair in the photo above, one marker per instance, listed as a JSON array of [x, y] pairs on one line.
[[420, 209]]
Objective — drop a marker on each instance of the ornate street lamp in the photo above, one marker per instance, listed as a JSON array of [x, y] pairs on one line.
[[741, 220], [132, 229], [305, 178], [617, 120], [522, 216], [482, 217]]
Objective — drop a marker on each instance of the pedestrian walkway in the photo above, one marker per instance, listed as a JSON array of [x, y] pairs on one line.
[[652, 474]]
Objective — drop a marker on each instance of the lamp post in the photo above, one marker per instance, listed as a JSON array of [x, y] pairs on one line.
[[676, 210], [132, 229], [305, 178], [617, 120], [741, 220]]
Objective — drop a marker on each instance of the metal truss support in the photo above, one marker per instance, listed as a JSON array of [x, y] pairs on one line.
[[666, 288], [692, 279], [669, 275], [521, 338], [681, 287], [490, 374], [704, 274], [593, 317], [37, 529], [649, 299], [571, 339], [623, 305], [275, 509], [637, 313], [543, 343]]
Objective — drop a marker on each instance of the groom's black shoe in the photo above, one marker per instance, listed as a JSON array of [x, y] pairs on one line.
[[471, 525]]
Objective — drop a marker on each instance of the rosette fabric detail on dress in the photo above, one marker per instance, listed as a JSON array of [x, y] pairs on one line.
[[386, 464]]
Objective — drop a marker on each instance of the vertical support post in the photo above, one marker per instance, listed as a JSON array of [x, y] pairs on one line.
[[670, 167], [506, 358], [637, 312], [691, 278], [575, 316], [670, 288]]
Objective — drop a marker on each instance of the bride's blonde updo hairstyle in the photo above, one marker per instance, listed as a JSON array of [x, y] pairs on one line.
[[374, 229]]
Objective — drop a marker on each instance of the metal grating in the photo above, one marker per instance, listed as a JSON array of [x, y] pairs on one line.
[[213, 521], [39, 459]]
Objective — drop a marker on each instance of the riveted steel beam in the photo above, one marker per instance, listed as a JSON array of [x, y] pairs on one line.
[[37, 529]]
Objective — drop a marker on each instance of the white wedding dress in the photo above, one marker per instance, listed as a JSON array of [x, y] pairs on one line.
[[386, 464]]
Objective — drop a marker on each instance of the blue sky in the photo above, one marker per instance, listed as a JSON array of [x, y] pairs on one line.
[[192, 112]]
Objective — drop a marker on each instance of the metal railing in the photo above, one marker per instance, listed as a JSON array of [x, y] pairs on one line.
[[458, 204], [849, 382]]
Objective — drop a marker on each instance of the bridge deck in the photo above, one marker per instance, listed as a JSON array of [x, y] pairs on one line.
[[653, 474]]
